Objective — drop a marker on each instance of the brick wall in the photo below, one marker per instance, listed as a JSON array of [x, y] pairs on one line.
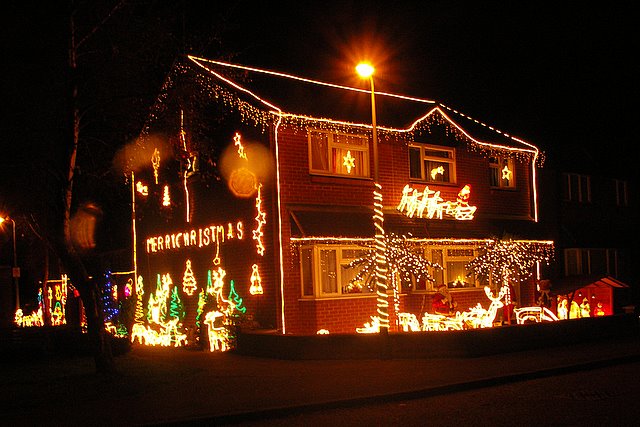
[[299, 187]]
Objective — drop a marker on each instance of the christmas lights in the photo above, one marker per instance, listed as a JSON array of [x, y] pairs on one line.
[[349, 161], [142, 189], [534, 314], [510, 259], [428, 204], [238, 143], [155, 162], [189, 284], [260, 222], [166, 198], [199, 237], [256, 281]]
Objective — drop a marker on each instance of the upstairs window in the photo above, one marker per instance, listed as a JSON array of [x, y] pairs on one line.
[[578, 261], [432, 164], [621, 193], [502, 172], [338, 154], [577, 188]]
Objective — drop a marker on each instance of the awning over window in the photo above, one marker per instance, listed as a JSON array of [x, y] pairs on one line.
[[347, 221]]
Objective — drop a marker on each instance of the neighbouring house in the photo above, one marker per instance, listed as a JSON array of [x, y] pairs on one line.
[[261, 191]]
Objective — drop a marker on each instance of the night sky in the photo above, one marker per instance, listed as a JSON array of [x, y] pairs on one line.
[[560, 77]]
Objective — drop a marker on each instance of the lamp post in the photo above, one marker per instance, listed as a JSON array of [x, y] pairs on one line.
[[15, 272], [365, 70]]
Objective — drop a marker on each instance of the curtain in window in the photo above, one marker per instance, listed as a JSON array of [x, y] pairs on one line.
[[319, 151]]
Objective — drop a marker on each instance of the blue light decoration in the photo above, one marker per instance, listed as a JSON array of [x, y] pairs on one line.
[[109, 307]]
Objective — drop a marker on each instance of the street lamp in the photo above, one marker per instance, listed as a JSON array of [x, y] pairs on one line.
[[366, 70], [15, 272]]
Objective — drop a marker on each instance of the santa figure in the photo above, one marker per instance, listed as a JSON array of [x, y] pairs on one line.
[[442, 302]]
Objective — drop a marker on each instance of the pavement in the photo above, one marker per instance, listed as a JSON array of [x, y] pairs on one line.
[[167, 386]]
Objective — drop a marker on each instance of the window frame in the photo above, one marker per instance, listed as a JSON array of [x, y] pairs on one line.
[[441, 276], [622, 192], [582, 195], [333, 143], [577, 260], [424, 175], [317, 285], [496, 165]]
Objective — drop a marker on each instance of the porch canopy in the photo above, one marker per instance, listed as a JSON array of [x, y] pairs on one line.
[[357, 222]]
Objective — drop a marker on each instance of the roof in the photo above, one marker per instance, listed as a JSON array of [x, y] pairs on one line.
[[298, 98], [565, 285]]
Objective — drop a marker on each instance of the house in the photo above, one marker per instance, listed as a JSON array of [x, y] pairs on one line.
[[262, 190], [589, 199]]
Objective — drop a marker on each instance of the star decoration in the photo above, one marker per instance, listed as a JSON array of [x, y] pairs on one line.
[[506, 173], [349, 161]]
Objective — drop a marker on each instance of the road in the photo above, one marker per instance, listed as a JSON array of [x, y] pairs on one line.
[[608, 396]]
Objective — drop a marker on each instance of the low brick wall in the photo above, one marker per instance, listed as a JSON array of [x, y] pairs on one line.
[[471, 343]]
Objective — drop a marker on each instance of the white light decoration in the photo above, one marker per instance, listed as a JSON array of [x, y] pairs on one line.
[[217, 331], [381, 261], [408, 322], [260, 221], [189, 284], [237, 141], [142, 189], [256, 281], [506, 173], [212, 235], [372, 327], [166, 198], [437, 171], [535, 314], [348, 161], [155, 162], [428, 204]]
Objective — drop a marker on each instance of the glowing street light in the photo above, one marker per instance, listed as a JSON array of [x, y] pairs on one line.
[[15, 271], [366, 70]]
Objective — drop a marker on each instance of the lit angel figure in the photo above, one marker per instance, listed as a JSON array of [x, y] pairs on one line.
[[348, 161]]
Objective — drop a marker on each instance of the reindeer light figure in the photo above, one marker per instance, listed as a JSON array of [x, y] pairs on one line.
[[478, 317], [218, 334]]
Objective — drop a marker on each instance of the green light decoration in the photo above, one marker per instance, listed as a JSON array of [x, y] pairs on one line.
[[235, 298], [176, 307]]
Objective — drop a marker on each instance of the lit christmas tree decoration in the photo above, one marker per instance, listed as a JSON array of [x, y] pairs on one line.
[[189, 284], [166, 198], [256, 281]]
